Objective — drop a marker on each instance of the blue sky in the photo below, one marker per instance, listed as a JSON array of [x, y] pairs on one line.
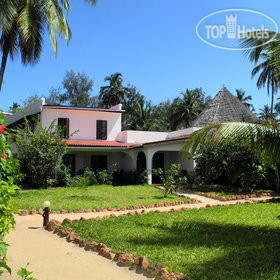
[[153, 43]]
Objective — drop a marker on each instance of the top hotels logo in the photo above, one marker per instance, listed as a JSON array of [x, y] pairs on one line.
[[224, 29]]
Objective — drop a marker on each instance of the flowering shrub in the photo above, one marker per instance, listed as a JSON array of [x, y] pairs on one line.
[[171, 180], [9, 173]]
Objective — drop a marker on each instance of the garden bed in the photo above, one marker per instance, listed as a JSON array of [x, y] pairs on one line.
[[232, 242]]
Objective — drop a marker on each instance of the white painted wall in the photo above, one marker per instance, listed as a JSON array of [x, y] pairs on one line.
[[135, 136], [83, 122], [27, 111]]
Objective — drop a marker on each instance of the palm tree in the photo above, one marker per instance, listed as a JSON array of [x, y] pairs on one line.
[[144, 117], [265, 114], [240, 94], [277, 107], [187, 108], [268, 76], [257, 49], [23, 23], [260, 138], [114, 93], [15, 107]]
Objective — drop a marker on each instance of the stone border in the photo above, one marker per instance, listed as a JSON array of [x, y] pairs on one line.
[[140, 264], [232, 197], [23, 212]]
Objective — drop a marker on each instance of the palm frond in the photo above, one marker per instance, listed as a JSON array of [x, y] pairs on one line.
[[263, 139]]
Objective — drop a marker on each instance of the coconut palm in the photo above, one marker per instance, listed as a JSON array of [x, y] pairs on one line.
[[114, 93], [262, 139], [23, 23], [277, 107], [268, 76], [240, 94], [265, 114], [269, 54], [187, 107], [144, 117]]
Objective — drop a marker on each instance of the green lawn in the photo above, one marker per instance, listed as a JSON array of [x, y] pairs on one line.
[[231, 193], [101, 196], [222, 243], [219, 190]]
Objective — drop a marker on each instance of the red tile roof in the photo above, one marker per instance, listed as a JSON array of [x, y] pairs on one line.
[[175, 139], [99, 143]]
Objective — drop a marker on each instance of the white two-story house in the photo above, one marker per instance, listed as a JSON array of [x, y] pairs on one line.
[[95, 139]]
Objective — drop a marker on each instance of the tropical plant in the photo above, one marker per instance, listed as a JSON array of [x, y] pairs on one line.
[[14, 108], [277, 107], [164, 111], [229, 164], [131, 100], [144, 117], [240, 94], [188, 107], [114, 93], [9, 170], [265, 114], [23, 23], [264, 140], [170, 178], [41, 152], [257, 49]]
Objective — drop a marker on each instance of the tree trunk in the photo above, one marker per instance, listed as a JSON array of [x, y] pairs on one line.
[[3, 66], [272, 102]]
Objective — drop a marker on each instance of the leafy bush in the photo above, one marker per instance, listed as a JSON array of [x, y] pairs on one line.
[[42, 152], [89, 178], [229, 164], [126, 178], [9, 173], [63, 176], [171, 180], [104, 177]]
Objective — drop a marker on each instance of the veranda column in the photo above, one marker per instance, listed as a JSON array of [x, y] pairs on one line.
[[149, 159]]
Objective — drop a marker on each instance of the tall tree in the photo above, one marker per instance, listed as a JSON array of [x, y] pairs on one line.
[[145, 119], [240, 94], [188, 107], [23, 23], [277, 106], [257, 49], [131, 100], [15, 107], [164, 111], [265, 114], [78, 87], [268, 76], [114, 93]]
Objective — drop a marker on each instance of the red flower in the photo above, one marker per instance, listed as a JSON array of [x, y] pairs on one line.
[[4, 156], [2, 128]]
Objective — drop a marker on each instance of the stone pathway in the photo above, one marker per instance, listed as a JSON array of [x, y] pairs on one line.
[[52, 258]]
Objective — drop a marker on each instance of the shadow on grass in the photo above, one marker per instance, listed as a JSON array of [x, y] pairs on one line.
[[248, 252]]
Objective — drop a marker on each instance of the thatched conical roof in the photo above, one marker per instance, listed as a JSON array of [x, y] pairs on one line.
[[225, 107]]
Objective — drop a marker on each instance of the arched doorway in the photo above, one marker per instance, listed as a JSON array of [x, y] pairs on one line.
[[141, 162], [158, 162]]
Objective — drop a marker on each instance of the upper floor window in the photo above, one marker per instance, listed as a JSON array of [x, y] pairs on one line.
[[101, 130], [63, 123]]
